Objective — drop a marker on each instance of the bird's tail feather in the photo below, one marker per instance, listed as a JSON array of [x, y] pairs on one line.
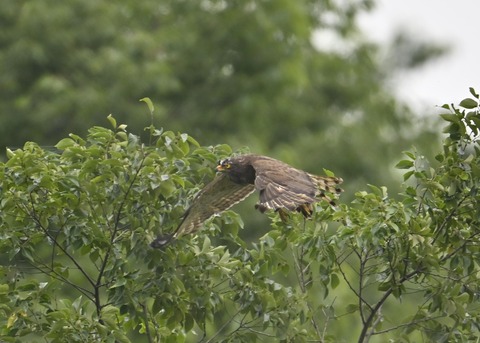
[[162, 241], [328, 185]]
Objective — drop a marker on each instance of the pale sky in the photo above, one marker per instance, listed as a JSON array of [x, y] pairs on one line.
[[455, 23]]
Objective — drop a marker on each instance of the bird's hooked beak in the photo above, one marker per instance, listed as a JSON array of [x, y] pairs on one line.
[[220, 168]]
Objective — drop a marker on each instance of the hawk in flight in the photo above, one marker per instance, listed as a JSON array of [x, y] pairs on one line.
[[281, 188]]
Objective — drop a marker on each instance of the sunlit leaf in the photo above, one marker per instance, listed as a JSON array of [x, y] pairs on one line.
[[149, 103], [112, 121]]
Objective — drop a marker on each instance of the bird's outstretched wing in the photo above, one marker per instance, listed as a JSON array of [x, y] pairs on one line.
[[287, 189], [217, 196], [284, 187]]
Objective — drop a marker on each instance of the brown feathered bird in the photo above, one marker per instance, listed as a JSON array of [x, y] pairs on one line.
[[282, 188]]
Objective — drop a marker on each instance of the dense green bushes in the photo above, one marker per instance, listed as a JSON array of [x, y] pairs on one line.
[[76, 223]]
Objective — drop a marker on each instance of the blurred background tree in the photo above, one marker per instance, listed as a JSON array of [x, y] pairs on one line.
[[246, 73], [249, 73]]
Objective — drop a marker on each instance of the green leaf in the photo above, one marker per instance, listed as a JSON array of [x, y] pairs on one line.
[[472, 91], [4, 288], [328, 173], [65, 143], [404, 164], [476, 122], [10, 153], [450, 117], [469, 103], [408, 174], [99, 178], [120, 336], [149, 103], [167, 188], [112, 121], [384, 286], [122, 127], [77, 139], [57, 315], [206, 245], [440, 157], [192, 141], [334, 281], [189, 322], [410, 154]]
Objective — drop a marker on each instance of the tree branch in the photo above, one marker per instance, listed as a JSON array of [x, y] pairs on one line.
[[36, 219], [301, 280], [98, 283]]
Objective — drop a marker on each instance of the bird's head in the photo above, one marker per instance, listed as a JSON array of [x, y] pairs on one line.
[[224, 165], [238, 168]]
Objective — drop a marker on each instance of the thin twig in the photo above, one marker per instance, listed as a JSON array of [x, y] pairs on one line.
[[379, 332], [37, 221], [380, 303], [298, 260], [147, 327], [106, 257], [212, 339]]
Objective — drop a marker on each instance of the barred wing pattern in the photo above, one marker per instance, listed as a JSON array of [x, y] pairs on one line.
[[284, 187], [217, 196]]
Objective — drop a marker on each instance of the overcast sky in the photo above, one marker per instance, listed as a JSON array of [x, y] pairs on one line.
[[455, 23]]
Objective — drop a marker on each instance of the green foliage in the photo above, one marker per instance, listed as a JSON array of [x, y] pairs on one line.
[[245, 73], [425, 247], [76, 224]]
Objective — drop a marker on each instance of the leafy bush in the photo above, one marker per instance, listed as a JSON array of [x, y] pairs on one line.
[[76, 223]]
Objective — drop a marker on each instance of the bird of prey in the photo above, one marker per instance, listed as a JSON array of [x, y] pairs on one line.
[[281, 188]]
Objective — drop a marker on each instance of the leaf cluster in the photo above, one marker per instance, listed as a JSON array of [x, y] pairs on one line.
[[76, 264], [76, 223], [424, 248]]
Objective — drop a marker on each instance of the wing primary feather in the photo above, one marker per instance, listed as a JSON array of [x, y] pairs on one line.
[[216, 197], [283, 186]]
